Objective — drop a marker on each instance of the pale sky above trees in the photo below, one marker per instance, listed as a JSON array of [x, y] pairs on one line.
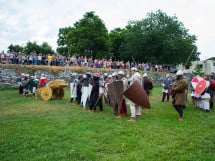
[[25, 20]]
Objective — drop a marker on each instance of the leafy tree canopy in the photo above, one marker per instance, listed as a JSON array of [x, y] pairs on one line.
[[89, 37], [32, 47], [159, 39]]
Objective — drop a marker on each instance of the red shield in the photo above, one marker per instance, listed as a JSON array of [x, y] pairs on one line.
[[200, 87], [195, 81]]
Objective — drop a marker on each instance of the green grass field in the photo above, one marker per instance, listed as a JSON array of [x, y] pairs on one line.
[[58, 130]]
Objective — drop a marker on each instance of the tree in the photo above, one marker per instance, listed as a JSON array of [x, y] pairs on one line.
[[88, 37], [159, 39], [16, 48], [198, 70], [31, 47], [34, 47], [116, 38], [46, 48], [62, 40]]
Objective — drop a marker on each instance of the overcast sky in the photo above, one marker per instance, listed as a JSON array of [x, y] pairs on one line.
[[39, 20]]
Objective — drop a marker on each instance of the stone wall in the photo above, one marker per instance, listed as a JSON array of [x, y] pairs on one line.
[[9, 73]]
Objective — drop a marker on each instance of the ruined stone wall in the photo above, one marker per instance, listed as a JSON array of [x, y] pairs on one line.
[[9, 73]]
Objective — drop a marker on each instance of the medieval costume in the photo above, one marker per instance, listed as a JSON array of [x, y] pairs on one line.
[[179, 97], [85, 90], [105, 89], [79, 87], [205, 96], [73, 87], [123, 108], [135, 109], [42, 81], [147, 84], [166, 86], [96, 94]]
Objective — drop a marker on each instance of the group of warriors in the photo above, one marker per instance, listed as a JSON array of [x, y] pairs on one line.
[[202, 91], [30, 84], [119, 89], [91, 90]]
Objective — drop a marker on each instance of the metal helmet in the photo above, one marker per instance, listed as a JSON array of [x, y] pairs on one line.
[[179, 72], [121, 72]]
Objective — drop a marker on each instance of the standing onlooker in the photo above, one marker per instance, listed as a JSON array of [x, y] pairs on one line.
[[179, 97]]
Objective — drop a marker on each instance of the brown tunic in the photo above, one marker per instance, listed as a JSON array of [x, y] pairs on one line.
[[180, 89]]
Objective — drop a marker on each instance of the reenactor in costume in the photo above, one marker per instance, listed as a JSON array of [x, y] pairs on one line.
[[73, 87], [147, 84], [86, 89], [79, 87], [33, 84], [204, 100], [96, 93], [20, 80], [123, 108], [43, 81], [114, 77], [167, 84], [212, 89], [25, 85], [180, 92], [105, 88], [135, 109]]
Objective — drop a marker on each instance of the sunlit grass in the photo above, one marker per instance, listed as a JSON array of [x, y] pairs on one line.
[[58, 130]]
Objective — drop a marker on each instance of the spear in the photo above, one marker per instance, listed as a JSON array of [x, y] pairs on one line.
[[189, 57]]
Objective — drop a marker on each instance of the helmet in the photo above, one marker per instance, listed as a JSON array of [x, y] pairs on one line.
[[42, 75], [109, 76], [133, 69], [179, 72], [121, 72], [105, 74], [74, 74], [145, 75], [114, 74], [167, 75]]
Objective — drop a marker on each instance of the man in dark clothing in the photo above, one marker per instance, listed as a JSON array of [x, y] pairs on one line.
[[147, 84], [96, 94]]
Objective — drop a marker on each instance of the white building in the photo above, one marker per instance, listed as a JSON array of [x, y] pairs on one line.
[[207, 66]]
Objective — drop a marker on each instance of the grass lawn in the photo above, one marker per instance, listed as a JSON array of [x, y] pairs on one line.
[[59, 130]]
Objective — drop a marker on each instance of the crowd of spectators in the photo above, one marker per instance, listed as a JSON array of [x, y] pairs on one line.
[[60, 60]]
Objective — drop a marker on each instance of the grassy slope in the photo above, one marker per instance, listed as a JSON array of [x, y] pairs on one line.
[[58, 130]]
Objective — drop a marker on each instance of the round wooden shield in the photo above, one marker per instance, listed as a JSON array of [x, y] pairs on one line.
[[137, 94], [200, 87]]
